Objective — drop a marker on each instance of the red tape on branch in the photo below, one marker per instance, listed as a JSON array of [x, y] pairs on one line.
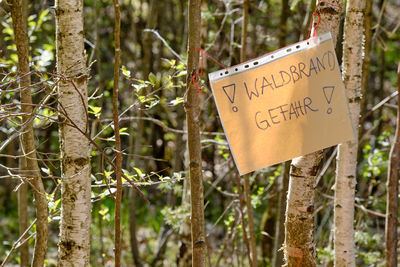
[[319, 17], [201, 68]]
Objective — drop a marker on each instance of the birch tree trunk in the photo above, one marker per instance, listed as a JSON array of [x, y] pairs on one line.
[[192, 107], [299, 246], [346, 168], [74, 243], [30, 165]]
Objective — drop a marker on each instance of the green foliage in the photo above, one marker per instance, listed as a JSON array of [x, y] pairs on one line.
[[175, 217], [375, 160], [325, 255], [368, 244]]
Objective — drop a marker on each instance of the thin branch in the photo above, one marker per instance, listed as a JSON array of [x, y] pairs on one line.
[[164, 42], [242, 218], [17, 243]]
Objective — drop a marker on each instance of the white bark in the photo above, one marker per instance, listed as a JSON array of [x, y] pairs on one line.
[[299, 245], [299, 241], [74, 244], [347, 154]]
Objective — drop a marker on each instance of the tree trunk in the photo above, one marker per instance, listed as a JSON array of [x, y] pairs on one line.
[[250, 220], [74, 244], [31, 169], [299, 235], [118, 153], [245, 20], [346, 169], [279, 236], [393, 192], [299, 242], [247, 191], [23, 216], [192, 107], [367, 53], [282, 23]]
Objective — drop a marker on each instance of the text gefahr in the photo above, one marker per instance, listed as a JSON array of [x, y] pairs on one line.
[[271, 116]]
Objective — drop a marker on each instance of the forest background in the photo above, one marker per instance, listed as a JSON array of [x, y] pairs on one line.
[[153, 133]]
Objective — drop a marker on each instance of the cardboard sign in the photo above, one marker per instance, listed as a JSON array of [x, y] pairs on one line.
[[283, 105]]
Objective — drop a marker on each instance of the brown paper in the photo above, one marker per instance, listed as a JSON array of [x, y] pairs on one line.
[[283, 105]]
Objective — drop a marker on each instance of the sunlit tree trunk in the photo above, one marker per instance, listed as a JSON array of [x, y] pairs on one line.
[[74, 243], [346, 169], [192, 107], [30, 165], [299, 224]]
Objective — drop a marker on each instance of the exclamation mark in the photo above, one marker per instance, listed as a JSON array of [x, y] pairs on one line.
[[229, 91], [328, 93]]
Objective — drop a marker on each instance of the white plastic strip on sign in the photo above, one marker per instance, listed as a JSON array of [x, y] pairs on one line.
[[270, 57]]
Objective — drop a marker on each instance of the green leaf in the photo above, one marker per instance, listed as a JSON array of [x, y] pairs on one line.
[[107, 174], [122, 131], [152, 78], [125, 72], [177, 101], [103, 211], [95, 110], [139, 172], [294, 5]]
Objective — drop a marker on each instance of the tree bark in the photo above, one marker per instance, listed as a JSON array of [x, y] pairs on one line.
[[23, 216], [279, 236], [250, 220], [247, 191], [74, 243], [392, 203], [31, 168], [118, 153], [283, 23], [192, 107], [299, 246], [346, 169], [245, 20], [23, 188], [299, 235], [367, 53]]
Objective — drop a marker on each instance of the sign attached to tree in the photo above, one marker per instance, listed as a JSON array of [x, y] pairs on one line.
[[283, 105]]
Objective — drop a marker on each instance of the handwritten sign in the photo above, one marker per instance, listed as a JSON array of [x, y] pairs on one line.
[[283, 105]]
